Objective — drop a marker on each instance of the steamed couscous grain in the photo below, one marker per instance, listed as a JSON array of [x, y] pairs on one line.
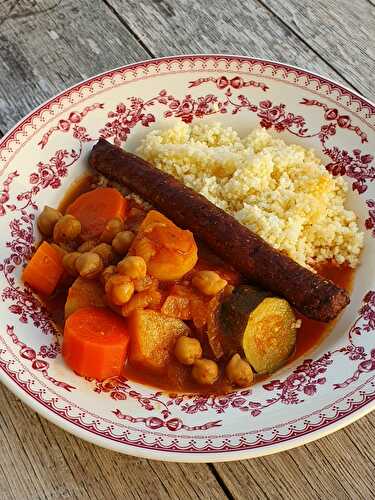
[[280, 191]]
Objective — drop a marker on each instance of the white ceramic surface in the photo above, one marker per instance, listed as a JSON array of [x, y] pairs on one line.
[[41, 156]]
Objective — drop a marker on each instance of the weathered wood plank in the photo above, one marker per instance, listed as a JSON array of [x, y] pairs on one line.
[[339, 466], [64, 42], [322, 469], [195, 26], [40, 461], [341, 32], [48, 45]]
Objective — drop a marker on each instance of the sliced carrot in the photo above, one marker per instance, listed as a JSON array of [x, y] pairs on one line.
[[95, 343], [170, 252], [95, 208], [44, 269]]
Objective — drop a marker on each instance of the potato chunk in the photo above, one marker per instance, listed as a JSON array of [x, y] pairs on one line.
[[153, 337], [84, 293]]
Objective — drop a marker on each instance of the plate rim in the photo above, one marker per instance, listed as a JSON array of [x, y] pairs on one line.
[[169, 455], [207, 55]]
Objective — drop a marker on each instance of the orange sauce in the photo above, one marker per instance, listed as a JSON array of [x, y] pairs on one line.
[[178, 378], [55, 306], [77, 187], [312, 332], [309, 336]]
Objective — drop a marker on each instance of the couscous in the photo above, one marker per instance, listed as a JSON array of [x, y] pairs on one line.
[[280, 191]]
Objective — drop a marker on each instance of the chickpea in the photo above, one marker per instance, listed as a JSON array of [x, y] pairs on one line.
[[141, 300], [187, 350], [69, 263], [208, 282], [87, 246], [107, 273], [112, 227], [89, 265], [205, 371], [122, 241], [239, 371], [66, 229], [104, 250], [47, 220], [132, 266], [119, 289]]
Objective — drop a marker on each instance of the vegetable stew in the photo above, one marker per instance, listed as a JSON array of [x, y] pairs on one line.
[[140, 297]]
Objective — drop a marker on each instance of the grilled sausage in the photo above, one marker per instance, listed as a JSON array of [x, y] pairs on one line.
[[309, 293]]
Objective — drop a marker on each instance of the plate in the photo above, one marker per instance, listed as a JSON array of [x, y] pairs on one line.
[[41, 156]]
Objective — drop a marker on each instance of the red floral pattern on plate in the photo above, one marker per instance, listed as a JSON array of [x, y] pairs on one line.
[[125, 118], [370, 221], [39, 365], [173, 424], [306, 378], [222, 82], [4, 196], [24, 303], [334, 119], [71, 124]]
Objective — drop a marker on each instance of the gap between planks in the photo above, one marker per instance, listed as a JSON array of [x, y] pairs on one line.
[[149, 52], [129, 29], [250, 27], [295, 32]]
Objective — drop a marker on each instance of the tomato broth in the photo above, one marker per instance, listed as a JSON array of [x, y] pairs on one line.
[[178, 378]]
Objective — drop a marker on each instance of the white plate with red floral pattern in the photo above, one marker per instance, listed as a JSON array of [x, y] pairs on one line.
[[313, 396]]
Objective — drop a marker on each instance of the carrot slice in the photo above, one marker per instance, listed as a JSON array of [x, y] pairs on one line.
[[95, 343], [44, 269], [170, 252], [95, 208]]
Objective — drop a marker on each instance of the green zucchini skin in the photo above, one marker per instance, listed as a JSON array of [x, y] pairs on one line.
[[258, 326], [234, 314]]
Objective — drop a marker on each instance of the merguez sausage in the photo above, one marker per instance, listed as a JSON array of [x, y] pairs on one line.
[[309, 293]]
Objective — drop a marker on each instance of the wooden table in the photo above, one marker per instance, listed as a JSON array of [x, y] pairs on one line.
[[48, 45]]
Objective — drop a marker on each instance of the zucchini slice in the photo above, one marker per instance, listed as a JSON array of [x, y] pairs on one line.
[[270, 335], [234, 314]]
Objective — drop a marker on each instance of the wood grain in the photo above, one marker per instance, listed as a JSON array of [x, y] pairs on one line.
[[195, 26], [341, 32], [60, 44], [339, 466], [39, 460], [47, 45]]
